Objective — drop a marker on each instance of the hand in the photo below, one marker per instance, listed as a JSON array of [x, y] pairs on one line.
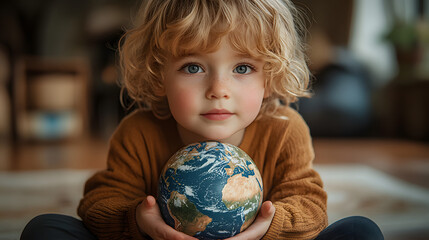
[[261, 224], [150, 222]]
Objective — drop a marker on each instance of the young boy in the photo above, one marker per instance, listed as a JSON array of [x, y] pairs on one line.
[[222, 70]]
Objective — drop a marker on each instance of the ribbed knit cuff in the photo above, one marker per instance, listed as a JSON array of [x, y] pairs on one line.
[[133, 228], [275, 227]]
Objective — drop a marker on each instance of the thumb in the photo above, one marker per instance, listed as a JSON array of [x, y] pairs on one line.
[[267, 209], [149, 202]]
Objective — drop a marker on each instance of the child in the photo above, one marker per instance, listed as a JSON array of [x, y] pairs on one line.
[[222, 70]]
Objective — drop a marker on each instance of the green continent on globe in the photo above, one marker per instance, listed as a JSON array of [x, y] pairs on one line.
[[186, 216]]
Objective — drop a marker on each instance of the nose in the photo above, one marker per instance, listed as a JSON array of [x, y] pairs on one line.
[[218, 88]]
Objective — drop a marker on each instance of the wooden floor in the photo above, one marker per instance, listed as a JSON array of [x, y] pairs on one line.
[[80, 154], [408, 160]]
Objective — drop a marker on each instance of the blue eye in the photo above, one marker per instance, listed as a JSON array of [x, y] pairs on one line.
[[243, 69], [192, 68]]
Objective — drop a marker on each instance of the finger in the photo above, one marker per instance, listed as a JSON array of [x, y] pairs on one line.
[[162, 230], [267, 209], [149, 202], [169, 233], [261, 224]]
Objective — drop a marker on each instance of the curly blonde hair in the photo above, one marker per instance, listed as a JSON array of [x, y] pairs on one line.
[[266, 29]]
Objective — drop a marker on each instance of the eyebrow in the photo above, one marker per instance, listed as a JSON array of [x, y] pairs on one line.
[[248, 56], [238, 55], [188, 55], [244, 55]]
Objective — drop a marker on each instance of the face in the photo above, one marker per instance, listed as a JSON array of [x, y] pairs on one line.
[[214, 96]]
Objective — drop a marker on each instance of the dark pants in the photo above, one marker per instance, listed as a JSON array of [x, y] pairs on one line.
[[54, 226], [352, 228]]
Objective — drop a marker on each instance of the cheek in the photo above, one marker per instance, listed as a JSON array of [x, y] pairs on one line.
[[252, 101], [181, 103]]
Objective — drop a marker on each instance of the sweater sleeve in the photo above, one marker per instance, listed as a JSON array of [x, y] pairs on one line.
[[297, 192], [111, 196]]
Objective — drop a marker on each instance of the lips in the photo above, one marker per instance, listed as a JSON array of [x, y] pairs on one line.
[[217, 114]]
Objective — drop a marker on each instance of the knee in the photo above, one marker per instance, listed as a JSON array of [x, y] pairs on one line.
[[39, 227], [364, 228]]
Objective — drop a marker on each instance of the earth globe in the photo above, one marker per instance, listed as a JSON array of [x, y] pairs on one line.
[[210, 190]]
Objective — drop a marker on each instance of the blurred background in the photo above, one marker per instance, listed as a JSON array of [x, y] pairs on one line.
[[60, 103]]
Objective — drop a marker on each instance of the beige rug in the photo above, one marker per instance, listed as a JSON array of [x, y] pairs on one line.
[[400, 209], [24, 195]]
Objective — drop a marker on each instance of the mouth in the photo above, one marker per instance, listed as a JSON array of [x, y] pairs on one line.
[[217, 114]]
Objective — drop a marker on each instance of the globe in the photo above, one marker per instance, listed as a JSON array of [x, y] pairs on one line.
[[210, 190]]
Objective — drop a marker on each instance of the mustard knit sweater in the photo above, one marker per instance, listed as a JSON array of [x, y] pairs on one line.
[[280, 147]]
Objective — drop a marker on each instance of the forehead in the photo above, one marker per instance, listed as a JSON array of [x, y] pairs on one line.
[[240, 47]]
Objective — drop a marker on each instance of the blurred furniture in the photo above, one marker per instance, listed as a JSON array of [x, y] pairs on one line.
[[5, 110], [341, 101], [407, 109], [340, 106], [51, 98], [334, 17]]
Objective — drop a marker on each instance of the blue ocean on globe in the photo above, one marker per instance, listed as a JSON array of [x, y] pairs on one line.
[[210, 190]]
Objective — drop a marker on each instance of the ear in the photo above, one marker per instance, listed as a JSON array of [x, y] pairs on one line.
[[267, 88], [267, 93]]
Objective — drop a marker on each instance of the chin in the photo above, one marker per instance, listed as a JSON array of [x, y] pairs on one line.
[[218, 137]]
